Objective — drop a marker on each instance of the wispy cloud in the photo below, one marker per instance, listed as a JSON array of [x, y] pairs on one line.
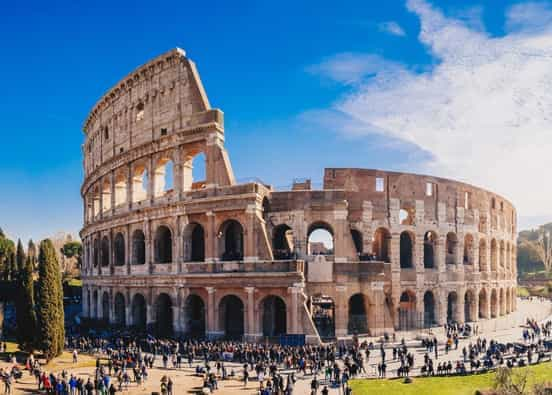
[[483, 112], [528, 17], [392, 28]]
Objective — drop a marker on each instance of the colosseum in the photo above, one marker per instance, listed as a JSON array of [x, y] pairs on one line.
[[179, 256]]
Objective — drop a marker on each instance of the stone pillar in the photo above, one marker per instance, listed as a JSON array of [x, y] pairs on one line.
[[128, 308], [100, 214], [250, 253], [460, 306], [112, 186], [340, 234], [441, 306], [210, 239], [151, 180], [376, 313], [250, 330], [341, 311], [212, 329], [294, 326], [99, 305]]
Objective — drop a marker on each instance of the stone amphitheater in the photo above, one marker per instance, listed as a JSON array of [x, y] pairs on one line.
[[174, 255]]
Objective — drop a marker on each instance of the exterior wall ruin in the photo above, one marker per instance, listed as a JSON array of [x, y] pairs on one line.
[[166, 252]]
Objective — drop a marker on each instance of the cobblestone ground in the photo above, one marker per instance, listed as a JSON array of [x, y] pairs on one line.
[[186, 382]]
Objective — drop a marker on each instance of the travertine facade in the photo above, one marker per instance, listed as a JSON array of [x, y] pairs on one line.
[[211, 257]]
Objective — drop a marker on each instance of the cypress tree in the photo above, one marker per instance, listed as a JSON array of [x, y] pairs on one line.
[[26, 316], [50, 314], [18, 294]]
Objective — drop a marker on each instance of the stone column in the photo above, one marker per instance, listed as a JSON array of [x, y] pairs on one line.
[[460, 306], [340, 233], [210, 239], [441, 306], [128, 308], [294, 324], [100, 214], [250, 330], [250, 247], [212, 329], [112, 186], [340, 318], [151, 180], [130, 187]]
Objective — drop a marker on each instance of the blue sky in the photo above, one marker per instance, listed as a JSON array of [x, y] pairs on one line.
[[304, 85]]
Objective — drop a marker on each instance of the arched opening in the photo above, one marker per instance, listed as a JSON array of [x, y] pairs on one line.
[[429, 310], [140, 112], [323, 315], [406, 249], [96, 198], [430, 243], [452, 307], [119, 309], [95, 304], [105, 307], [231, 312], [468, 250], [494, 255], [195, 316], [483, 304], [274, 316], [163, 245], [139, 312], [194, 243], [469, 306], [483, 265], [96, 252], [138, 248], [320, 239], [231, 241], [358, 314], [356, 235], [163, 176], [163, 316], [380, 245], [282, 242], [407, 311], [120, 188], [139, 183], [452, 248], [494, 304], [105, 251], [119, 246], [193, 172], [106, 195]]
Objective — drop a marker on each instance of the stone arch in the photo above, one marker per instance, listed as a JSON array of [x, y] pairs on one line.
[[358, 314], [106, 194], [470, 306], [231, 239], [430, 249], [139, 312], [96, 252], [429, 310], [452, 248], [140, 181], [120, 187], [356, 235], [119, 309], [469, 250], [95, 304], [119, 249], [274, 315], [483, 264], [381, 245], [483, 303], [163, 179], [407, 311], [494, 304], [194, 309], [194, 171], [323, 314], [320, 230], [138, 247], [163, 245], [105, 306], [282, 242], [494, 255], [194, 243], [452, 307], [406, 250], [105, 252], [231, 317], [164, 315]]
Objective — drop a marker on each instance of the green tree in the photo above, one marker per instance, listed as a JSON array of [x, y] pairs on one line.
[[26, 315], [50, 315], [73, 249]]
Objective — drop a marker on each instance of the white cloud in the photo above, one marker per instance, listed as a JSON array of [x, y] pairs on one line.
[[351, 68], [392, 28], [483, 112], [528, 17]]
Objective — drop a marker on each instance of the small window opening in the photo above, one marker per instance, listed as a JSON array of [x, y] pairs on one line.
[[140, 111], [380, 184], [106, 133], [163, 131], [467, 200], [429, 189]]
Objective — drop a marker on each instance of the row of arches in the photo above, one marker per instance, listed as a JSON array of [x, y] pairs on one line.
[[230, 241], [231, 314], [132, 184]]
